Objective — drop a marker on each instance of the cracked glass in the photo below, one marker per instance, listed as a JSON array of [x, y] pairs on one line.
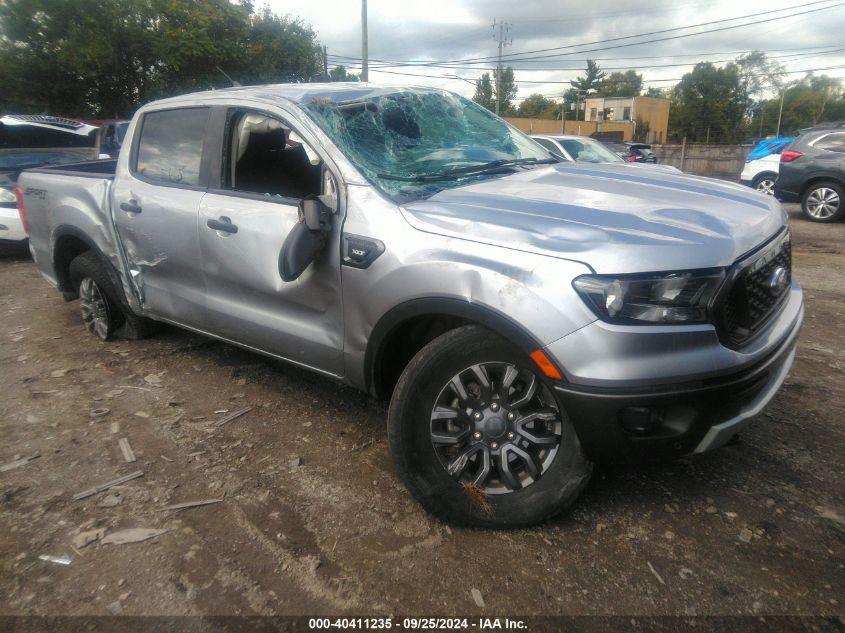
[[407, 142]]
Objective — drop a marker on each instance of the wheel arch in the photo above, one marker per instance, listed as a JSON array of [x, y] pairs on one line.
[[764, 174], [819, 178], [405, 329], [68, 243]]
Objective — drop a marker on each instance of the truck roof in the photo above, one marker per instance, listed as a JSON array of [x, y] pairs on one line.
[[304, 92]]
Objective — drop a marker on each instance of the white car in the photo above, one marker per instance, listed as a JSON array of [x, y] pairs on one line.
[[11, 227], [761, 174], [583, 149], [34, 140]]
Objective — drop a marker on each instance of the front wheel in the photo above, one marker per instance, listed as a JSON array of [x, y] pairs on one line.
[[478, 436]]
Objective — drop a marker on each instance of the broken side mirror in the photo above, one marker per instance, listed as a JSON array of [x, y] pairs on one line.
[[305, 239]]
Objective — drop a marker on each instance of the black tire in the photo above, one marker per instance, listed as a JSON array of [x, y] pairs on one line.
[[814, 211], [118, 318], [768, 177], [421, 469]]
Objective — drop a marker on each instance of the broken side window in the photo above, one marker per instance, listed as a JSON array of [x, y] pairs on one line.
[[264, 156]]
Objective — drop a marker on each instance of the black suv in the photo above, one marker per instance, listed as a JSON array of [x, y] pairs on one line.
[[812, 171]]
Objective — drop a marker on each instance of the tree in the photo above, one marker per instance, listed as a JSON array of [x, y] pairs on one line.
[[758, 74], [486, 91], [585, 84], [103, 58], [806, 102], [506, 90], [339, 73], [590, 80], [709, 103], [659, 93], [279, 49], [539, 107], [627, 84]]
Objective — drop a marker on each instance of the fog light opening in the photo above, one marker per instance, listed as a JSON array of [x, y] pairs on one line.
[[642, 421]]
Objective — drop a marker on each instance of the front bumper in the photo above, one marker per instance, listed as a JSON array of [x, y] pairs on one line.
[[647, 414], [11, 227]]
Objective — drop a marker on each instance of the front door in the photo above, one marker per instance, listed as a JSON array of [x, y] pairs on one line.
[[156, 200], [242, 226]]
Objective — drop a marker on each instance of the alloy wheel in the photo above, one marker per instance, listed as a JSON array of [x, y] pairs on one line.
[[496, 427], [94, 307], [767, 186], [822, 203]]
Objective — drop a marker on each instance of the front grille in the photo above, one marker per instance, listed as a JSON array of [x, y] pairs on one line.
[[752, 297]]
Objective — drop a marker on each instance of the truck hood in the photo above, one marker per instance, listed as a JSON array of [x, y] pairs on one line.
[[614, 218]]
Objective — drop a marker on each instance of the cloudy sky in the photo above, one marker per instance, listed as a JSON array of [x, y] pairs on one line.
[[450, 32]]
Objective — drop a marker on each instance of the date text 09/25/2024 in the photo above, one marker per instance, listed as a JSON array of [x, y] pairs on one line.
[[416, 624]]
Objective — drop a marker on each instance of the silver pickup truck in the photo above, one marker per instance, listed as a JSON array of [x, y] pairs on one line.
[[525, 317]]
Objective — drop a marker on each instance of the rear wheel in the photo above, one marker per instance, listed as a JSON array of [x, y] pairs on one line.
[[105, 312], [101, 313], [478, 436], [822, 202], [765, 183]]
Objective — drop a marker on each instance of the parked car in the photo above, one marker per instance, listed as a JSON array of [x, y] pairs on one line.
[[112, 134], [812, 171], [633, 152], [577, 148], [761, 167], [31, 141], [583, 149], [524, 316]]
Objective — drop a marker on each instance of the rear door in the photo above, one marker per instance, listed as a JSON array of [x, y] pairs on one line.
[[263, 172], [155, 202]]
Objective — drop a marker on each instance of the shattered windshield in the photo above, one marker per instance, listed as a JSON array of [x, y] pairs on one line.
[[414, 143]]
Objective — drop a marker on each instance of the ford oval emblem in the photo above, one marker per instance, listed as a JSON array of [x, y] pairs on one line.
[[778, 279]]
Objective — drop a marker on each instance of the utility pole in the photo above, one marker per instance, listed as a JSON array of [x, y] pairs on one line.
[[502, 38], [325, 63], [563, 115], [780, 112], [364, 44]]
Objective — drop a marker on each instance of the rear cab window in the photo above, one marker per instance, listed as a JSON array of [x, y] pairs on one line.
[[170, 146]]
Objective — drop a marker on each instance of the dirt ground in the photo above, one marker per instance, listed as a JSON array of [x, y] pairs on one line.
[[314, 521]]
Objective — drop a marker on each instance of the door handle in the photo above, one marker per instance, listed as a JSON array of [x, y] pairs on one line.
[[224, 224], [130, 207]]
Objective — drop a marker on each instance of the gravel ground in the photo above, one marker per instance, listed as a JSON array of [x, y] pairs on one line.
[[314, 521]]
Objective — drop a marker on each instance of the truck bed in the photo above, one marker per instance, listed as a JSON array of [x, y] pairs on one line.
[[86, 169], [67, 203]]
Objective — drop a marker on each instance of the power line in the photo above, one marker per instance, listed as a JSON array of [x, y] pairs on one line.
[[514, 56], [625, 67], [651, 66], [811, 50], [787, 72]]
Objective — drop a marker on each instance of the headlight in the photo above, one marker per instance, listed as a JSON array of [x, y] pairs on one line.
[[7, 197], [650, 299]]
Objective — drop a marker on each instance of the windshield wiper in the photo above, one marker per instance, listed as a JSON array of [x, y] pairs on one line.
[[458, 172]]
